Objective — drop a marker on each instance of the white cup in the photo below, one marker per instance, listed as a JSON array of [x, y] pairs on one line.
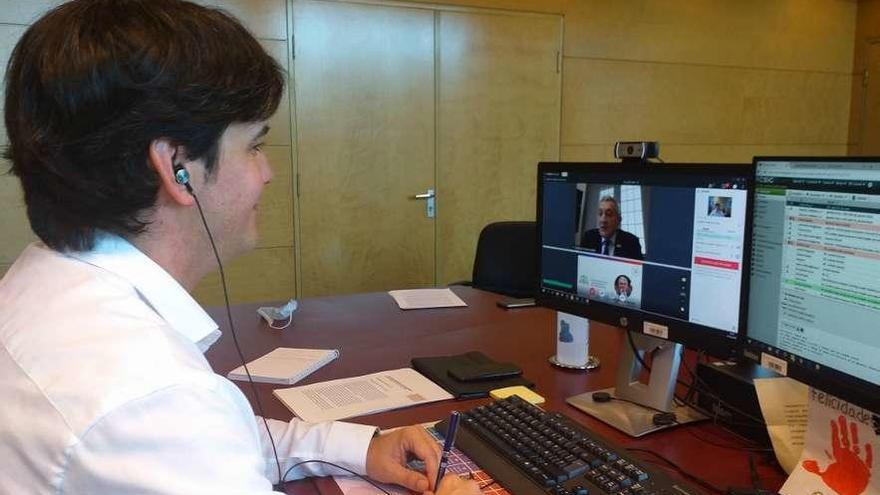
[[572, 340]]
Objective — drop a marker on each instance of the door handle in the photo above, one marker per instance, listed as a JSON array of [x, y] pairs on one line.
[[429, 203]]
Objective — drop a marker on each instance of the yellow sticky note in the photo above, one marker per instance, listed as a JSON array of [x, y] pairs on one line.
[[523, 392]]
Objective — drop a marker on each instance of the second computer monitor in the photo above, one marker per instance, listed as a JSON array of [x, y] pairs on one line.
[[815, 284], [658, 249]]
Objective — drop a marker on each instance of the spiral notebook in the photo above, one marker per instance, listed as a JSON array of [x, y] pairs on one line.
[[285, 365]]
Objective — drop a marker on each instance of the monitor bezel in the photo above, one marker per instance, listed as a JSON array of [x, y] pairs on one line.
[[715, 342], [837, 383]]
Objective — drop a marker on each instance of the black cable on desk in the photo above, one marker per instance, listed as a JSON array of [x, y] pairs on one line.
[[696, 479], [753, 470], [704, 388], [696, 384], [728, 446], [337, 466]]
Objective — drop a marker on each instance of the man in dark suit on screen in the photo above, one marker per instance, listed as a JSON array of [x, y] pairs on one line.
[[608, 238]]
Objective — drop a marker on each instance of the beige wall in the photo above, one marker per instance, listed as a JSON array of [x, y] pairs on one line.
[[716, 81], [867, 30], [15, 233]]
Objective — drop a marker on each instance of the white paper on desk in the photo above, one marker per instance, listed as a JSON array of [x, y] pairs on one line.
[[351, 485], [784, 406], [349, 397], [841, 439], [426, 298]]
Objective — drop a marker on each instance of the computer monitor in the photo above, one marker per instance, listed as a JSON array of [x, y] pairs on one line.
[[814, 309], [657, 249]]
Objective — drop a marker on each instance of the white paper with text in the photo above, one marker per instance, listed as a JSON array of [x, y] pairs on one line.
[[349, 397], [783, 404]]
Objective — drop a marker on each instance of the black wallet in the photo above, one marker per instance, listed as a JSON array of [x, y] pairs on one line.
[[475, 372], [482, 374]]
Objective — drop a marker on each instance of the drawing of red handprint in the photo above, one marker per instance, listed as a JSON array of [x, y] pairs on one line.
[[847, 474]]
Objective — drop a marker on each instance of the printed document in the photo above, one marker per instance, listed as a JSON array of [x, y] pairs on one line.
[[426, 298], [349, 397], [784, 406]]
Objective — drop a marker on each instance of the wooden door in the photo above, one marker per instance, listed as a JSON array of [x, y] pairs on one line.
[[364, 91], [499, 100], [870, 138]]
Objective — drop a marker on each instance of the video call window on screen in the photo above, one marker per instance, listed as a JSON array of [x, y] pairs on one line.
[[666, 245]]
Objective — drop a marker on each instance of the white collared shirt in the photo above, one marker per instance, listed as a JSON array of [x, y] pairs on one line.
[[105, 389]]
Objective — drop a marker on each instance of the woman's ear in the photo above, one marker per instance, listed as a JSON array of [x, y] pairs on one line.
[[161, 156]]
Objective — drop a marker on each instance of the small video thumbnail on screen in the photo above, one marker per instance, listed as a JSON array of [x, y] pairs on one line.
[[609, 280], [719, 206]]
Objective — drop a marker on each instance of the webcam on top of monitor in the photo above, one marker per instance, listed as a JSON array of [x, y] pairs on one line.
[[636, 151]]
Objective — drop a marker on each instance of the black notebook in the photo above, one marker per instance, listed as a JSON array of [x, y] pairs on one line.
[[437, 369]]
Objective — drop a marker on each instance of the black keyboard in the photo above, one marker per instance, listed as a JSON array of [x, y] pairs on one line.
[[530, 451]]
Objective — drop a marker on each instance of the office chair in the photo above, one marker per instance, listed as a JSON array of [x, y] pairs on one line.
[[506, 261]]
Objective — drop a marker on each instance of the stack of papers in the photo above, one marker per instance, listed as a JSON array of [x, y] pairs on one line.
[[426, 298], [285, 366], [349, 397]]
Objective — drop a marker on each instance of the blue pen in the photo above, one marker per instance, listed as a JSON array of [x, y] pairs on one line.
[[447, 447]]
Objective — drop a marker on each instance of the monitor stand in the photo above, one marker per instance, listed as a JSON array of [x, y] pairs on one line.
[[633, 419]]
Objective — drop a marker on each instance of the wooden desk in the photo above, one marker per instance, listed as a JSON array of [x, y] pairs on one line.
[[372, 335]]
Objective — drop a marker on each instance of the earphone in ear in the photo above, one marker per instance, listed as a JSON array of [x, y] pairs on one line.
[[181, 176]]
